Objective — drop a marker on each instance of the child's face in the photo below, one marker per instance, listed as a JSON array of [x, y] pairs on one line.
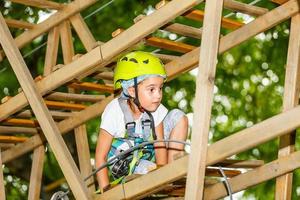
[[150, 92]]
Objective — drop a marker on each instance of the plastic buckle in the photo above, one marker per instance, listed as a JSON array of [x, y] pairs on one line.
[[130, 127]]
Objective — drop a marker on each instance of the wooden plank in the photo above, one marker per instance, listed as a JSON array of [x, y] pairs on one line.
[[12, 139], [280, 1], [198, 15], [20, 122], [5, 146], [51, 50], [55, 114], [83, 32], [184, 30], [92, 86], [64, 105], [16, 130], [2, 187], [169, 44], [66, 41], [105, 76], [42, 114], [253, 177], [64, 126], [290, 100], [244, 8], [74, 97], [67, 11], [84, 157], [40, 4], [18, 24], [166, 58], [36, 174], [240, 163], [204, 98]]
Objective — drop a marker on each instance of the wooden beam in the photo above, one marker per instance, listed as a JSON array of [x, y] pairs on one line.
[[280, 1], [19, 24], [55, 114], [290, 100], [169, 44], [2, 187], [5, 146], [36, 174], [61, 96], [184, 30], [67, 11], [16, 130], [204, 98], [64, 105], [51, 50], [42, 114], [66, 41], [12, 139], [84, 157], [253, 177], [229, 163], [83, 32], [20, 122], [105, 76], [64, 126], [166, 58], [198, 15], [92, 86], [40, 4], [244, 8]]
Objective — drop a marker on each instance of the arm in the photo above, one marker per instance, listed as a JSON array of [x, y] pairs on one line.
[[160, 147], [102, 149]]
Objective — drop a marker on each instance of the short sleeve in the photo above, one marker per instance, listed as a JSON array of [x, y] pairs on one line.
[[159, 114], [112, 119]]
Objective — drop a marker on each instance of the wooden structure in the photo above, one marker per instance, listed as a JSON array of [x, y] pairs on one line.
[[48, 125]]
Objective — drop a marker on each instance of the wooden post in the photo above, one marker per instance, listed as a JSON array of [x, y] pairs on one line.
[[2, 188], [36, 174], [51, 51], [81, 139], [290, 100], [204, 98], [41, 112]]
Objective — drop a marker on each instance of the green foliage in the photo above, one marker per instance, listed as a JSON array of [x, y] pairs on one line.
[[248, 85]]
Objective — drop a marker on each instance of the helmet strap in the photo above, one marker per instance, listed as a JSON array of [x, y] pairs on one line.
[[138, 104]]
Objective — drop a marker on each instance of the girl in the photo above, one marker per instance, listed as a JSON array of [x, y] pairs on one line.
[[138, 115]]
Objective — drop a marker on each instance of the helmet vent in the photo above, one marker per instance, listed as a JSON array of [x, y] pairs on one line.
[[125, 58], [133, 60], [146, 61]]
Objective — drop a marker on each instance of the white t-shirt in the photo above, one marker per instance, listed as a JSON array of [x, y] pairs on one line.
[[113, 119]]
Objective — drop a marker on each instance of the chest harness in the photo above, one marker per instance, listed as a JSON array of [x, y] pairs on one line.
[[126, 165]]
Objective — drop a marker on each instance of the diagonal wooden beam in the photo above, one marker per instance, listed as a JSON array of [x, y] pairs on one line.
[[290, 99], [253, 177], [244, 8], [41, 112], [51, 50], [40, 4], [101, 55], [36, 174], [204, 98], [19, 24]]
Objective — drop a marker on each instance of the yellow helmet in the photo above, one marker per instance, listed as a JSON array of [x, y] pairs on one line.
[[136, 64]]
